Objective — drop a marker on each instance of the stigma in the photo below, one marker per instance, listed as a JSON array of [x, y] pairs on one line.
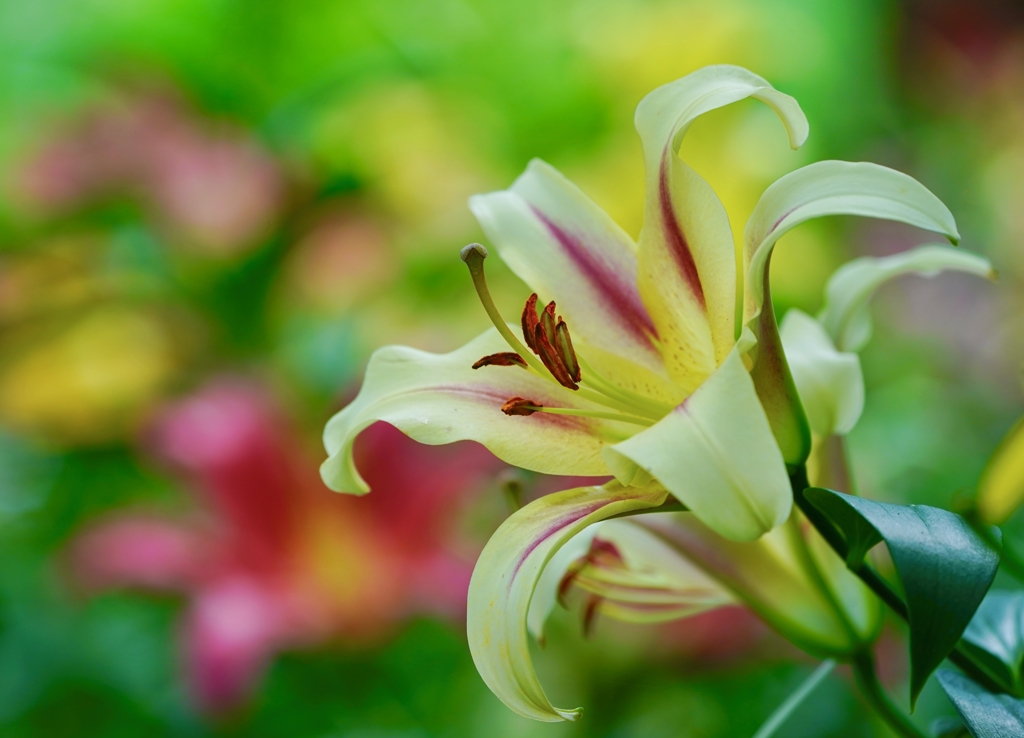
[[546, 333]]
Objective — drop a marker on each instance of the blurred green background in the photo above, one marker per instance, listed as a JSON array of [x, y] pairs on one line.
[[212, 211]]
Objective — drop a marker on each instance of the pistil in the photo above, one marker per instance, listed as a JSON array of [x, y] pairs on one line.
[[474, 255], [549, 353]]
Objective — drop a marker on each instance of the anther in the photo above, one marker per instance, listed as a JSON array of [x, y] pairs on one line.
[[563, 345], [541, 334], [529, 321], [551, 360], [547, 320], [590, 610], [520, 406], [503, 358]]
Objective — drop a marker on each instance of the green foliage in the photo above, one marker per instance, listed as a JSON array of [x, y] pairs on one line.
[[945, 567], [995, 637], [986, 715]]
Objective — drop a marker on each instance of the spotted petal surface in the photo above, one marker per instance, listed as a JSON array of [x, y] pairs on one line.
[[716, 454], [687, 257], [568, 250]]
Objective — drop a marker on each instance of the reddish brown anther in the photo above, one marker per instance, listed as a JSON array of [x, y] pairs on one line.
[[520, 406], [504, 358], [563, 345], [601, 553], [590, 614], [548, 337], [530, 321], [547, 320], [553, 362]]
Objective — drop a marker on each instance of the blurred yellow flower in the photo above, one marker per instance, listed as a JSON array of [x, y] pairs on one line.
[[93, 380]]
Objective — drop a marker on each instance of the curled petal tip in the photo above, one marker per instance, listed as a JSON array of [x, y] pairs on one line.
[[469, 250]]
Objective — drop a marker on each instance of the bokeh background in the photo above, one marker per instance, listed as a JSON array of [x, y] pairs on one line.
[[212, 211]]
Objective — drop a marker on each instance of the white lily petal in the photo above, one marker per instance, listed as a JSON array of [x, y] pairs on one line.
[[505, 577], [567, 249], [846, 316], [687, 257], [768, 576], [716, 454], [830, 382], [651, 582], [834, 188], [545, 594], [440, 398]]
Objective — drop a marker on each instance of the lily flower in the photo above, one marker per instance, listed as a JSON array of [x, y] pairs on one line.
[[674, 370], [822, 352], [269, 561], [673, 381]]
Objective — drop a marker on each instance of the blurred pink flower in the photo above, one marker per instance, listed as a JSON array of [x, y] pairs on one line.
[[215, 187], [273, 560]]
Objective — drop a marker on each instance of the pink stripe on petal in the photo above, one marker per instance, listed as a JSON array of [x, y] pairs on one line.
[[498, 397], [555, 527], [675, 238], [621, 296]]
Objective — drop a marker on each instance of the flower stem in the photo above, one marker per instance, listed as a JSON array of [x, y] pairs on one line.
[[867, 680], [783, 711]]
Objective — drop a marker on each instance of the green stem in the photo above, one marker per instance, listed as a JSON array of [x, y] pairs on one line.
[[783, 711], [810, 565], [867, 680]]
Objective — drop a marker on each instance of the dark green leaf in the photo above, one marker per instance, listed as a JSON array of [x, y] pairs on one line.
[[986, 715], [995, 637], [943, 564]]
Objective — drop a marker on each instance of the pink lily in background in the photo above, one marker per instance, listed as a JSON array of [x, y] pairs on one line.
[[271, 560], [215, 188]]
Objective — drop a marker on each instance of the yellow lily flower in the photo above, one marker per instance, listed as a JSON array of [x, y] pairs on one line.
[[822, 353], [654, 383], [674, 381]]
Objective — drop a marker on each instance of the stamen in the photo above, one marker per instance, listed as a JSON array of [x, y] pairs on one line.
[[521, 406], [563, 344], [540, 334], [529, 321], [590, 614], [640, 404], [547, 319], [550, 357], [600, 553], [503, 358]]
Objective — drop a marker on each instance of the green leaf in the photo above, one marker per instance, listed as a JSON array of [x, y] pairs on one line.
[[945, 567], [995, 637], [986, 715]]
